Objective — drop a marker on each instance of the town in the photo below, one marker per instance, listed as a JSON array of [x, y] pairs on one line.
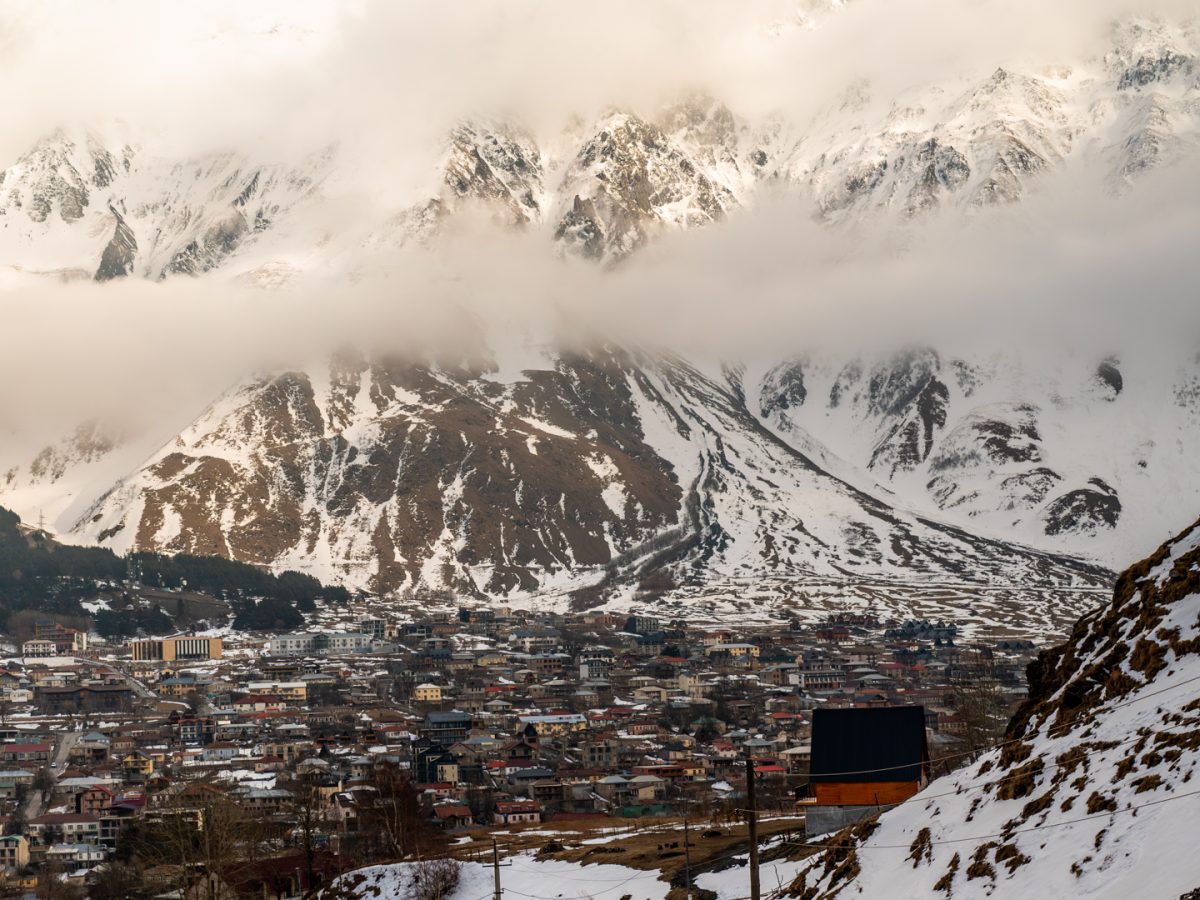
[[303, 755]]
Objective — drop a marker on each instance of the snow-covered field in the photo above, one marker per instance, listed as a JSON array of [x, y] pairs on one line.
[[521, 877]]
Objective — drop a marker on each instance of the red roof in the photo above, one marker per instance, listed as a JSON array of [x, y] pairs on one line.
[[517, 806]]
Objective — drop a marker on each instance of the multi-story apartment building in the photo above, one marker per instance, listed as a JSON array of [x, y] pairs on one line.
[[14, 852], [177, 648], [66, 641], [38, 649], [287, 691], [318, 643]]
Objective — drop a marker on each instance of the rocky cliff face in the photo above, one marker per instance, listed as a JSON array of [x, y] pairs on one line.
[[1093, 787], [74, 204], [600, 475], [1045, 451], [630, 180], [78, 203]]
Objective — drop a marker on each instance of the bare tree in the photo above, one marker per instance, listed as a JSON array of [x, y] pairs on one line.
[[396, 817], [983, 711], [199, 833]]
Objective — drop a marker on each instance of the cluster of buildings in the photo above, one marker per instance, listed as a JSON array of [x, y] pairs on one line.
[[497, 719], [52, 639]]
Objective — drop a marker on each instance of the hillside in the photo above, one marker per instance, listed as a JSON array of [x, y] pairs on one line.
[[38, 573], [1092, 792], [604, 476]]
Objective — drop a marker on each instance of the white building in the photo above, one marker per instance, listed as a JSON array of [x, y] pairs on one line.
[[38, 649], [305, 643]]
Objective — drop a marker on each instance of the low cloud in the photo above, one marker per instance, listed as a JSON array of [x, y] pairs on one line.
[[1070, 264]]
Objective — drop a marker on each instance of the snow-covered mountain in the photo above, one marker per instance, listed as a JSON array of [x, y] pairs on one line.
[[539, 476], [617, 472], [1092, 792], [1077, 454], [74, 207], [81, 204]]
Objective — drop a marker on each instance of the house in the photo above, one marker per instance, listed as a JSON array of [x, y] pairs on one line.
[[180, 686], [92, 698], [14, 852], [293, 692], [12, 779], [862, 760], [428, 693], [734, 651], [93, 801], [93, 746], [517, 812], [78, 856], [452, 815], [69, 827], [556, 725], [19, 753], [38, 649], [251, 703], [446, 728], [435, 765]]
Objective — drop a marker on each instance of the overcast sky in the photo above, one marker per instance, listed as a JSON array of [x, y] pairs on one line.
[[392, 75]]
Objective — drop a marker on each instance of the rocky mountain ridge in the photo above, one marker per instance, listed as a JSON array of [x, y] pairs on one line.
[[79, 204], [613, 472], [1061, 454]]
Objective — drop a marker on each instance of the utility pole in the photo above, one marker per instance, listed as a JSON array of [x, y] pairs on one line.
[[687, 858], [752, 822], [496, 871]]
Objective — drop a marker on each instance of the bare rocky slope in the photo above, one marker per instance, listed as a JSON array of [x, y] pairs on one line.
[[1092, 792], [568, 471]]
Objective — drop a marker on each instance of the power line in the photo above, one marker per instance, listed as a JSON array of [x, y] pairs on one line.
[[1132, 739], [985, 837], [1065, 726], [637, 874], [571, 878]]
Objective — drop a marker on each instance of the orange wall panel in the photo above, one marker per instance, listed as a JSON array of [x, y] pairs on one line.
[[867, 793]]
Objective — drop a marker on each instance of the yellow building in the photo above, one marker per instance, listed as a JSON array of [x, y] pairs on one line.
[[287, 691], [288, 751], [14, 852], [428, 693], [177, 648], [734, 650], [138, 762]]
